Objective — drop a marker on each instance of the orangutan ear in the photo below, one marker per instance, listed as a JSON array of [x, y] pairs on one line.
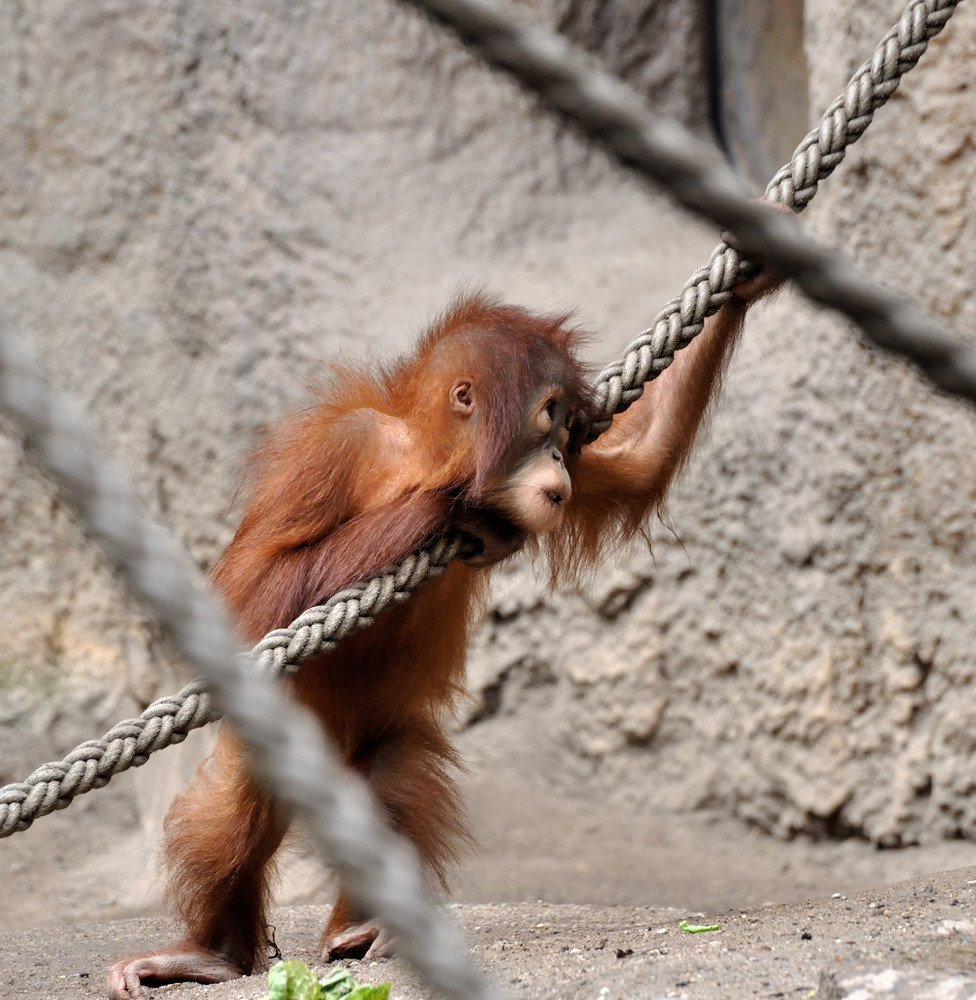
[[462, 398]]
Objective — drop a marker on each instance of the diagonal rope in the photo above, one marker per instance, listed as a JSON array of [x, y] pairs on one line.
[[170, 719], [612, 115], [91, 765]]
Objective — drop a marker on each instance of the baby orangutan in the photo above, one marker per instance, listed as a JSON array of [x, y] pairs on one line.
[[476, 430]]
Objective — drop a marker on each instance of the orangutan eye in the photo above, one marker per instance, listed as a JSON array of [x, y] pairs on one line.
[[551, 409], [568, 422]]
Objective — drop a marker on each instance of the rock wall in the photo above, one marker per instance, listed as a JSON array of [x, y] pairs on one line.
[[796, 650], [198, 202]]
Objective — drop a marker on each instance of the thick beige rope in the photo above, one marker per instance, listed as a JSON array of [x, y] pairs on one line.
[[169, 720], [611, 114]]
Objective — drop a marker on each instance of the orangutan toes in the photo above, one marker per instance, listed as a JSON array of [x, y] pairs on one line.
[[366, 940], [183, 962]]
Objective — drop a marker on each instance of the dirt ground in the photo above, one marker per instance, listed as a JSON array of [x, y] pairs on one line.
[[555, 903]]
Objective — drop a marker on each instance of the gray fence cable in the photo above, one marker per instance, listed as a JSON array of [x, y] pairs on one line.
[[286, 743], [168, 720]]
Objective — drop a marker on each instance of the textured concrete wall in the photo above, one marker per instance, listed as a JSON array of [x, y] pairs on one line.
[[800, 652], [761, 82], [902, 208], [197, 202]]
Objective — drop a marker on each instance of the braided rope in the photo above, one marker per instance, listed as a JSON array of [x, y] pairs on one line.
[[54, 785], [677, 324], [91, 765], [794, 184], [850, 113], [317, 630], [609, 113], [168, 720]]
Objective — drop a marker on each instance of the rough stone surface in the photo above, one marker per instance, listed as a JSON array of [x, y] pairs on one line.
[[797, 648], [910, 941], [758, 42], [197, 202]]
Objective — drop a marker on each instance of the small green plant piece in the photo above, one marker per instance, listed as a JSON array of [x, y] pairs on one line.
[[365, 991], [698, 928], [339, 985], [294, 980]]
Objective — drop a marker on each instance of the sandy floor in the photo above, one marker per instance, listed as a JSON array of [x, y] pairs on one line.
[[911, 941], [560, 885]]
